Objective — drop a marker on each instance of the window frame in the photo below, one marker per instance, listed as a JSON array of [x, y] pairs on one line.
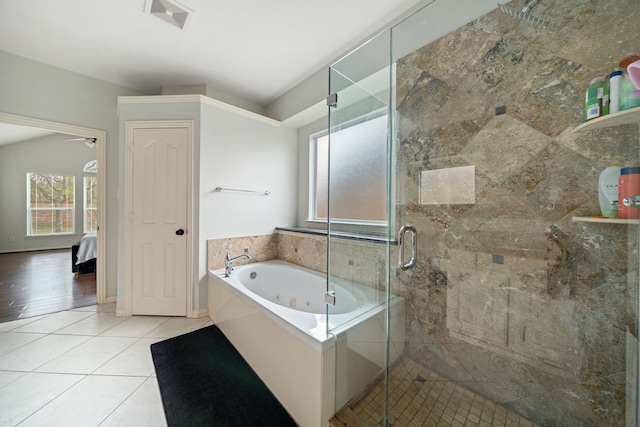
[[374, 227], [86, 209]]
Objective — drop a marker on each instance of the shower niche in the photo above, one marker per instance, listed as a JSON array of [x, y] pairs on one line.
[[620, 118]]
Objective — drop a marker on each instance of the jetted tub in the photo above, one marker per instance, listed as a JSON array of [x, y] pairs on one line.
[[274, 314]]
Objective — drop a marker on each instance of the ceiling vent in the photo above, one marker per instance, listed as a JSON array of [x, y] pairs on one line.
[[170, 11]]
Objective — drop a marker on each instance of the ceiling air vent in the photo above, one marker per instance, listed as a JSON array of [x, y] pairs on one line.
[[170, 11]]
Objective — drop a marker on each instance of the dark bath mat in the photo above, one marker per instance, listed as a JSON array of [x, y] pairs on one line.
[[204, 381]]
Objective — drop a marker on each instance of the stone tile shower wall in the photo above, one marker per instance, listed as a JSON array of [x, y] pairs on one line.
[[510, 297]]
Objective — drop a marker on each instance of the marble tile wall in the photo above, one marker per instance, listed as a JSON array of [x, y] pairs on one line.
[[260, 248], [511, 297], [353, 260], [307, 250]]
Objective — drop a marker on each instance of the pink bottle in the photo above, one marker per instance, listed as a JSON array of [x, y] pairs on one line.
[[628, 185]]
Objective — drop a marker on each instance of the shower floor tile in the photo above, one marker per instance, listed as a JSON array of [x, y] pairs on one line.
[[419, 397]]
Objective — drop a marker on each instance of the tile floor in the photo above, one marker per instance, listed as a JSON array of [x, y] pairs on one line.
[[84, 367], [418, 397]]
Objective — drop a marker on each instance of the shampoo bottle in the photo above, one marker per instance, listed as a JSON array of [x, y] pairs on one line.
[[608, 191]]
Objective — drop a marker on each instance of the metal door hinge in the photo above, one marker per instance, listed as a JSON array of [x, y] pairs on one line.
[[330, 297], [332, 100]]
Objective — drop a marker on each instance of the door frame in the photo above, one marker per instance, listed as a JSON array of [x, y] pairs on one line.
[[101, 158], [130, 127]]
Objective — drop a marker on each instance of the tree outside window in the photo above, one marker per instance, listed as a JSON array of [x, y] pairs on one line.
[[90, 203], [90, 198], [50, 204]]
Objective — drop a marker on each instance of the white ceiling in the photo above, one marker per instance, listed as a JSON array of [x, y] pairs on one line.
[[14, 133], [255, 49]]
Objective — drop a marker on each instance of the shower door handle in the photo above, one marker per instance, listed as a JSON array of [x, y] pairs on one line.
[[405, 265]]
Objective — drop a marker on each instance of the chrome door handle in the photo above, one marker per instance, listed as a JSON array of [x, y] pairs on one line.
[[414, 246]]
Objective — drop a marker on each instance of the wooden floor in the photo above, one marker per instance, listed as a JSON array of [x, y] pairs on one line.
[[41, 282]]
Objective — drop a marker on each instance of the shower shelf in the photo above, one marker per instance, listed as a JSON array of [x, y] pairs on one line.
[[604, 220], [624, 117]]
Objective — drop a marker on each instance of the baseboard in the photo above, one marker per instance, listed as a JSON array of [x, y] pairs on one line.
[[197, 314], [203, 312]]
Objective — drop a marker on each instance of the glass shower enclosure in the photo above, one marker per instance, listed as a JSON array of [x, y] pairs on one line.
[[463, 213]]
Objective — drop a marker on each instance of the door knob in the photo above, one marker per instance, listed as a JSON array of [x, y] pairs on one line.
[[180, 232]]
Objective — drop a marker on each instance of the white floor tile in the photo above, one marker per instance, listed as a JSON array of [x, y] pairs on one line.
[[142, 409], [87, 403], [28, 394], [136, 360], [93, 325], [177, 326], [54, 322], [84, 367], [37, 353], [9, 326], [10, 341], [89, 356], [98, 308], [7, 377], [136, 326], [109, 307]]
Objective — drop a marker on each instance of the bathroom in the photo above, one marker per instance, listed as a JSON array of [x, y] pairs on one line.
[[511, 300], [512, 297]]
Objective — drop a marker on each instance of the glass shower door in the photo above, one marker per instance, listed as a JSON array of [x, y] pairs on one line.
[[522, 305], [358, 214]]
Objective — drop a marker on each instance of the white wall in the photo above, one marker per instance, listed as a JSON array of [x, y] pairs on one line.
[[303, 136], [232, 149], [32, 89], [243, 153], [46, 155]]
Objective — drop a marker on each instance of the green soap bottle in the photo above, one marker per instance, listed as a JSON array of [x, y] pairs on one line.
[[608, 191]]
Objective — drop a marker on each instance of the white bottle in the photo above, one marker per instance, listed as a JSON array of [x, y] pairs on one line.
[[608, 191], [614, 91]]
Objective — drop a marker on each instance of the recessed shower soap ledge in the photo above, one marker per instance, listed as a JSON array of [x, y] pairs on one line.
[[603, 220]]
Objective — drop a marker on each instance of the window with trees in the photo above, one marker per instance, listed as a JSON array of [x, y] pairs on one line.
[[50, 204], [90, 199]]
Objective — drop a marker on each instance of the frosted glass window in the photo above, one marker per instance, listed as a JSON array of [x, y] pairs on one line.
[[358, 172]]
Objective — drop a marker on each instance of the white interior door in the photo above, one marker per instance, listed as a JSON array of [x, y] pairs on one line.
[[159, 220]]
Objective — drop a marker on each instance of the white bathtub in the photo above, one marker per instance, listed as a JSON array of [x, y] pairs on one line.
[[274, 314]]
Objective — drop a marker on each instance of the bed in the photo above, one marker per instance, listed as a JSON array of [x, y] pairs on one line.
[[84, 253]]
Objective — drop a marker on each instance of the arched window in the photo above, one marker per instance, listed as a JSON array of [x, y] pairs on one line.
[[91, 166]]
